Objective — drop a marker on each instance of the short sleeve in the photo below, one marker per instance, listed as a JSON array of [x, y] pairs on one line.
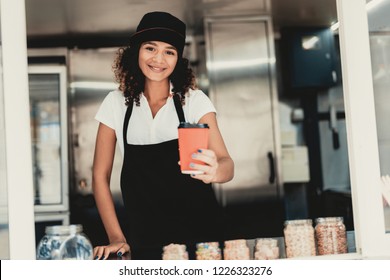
[[199, 104], [107, 110]]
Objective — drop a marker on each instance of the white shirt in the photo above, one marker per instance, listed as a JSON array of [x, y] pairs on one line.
[[143, 128]]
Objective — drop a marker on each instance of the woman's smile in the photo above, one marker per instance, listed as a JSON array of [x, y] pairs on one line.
[[156, 69]]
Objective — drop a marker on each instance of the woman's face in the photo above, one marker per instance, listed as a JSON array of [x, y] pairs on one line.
[[157, 60]]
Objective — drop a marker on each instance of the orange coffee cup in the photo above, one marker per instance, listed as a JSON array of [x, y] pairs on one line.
[[192, 137]]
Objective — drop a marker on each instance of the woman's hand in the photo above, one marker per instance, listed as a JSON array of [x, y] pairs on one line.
[[210, 167], [103, 252]]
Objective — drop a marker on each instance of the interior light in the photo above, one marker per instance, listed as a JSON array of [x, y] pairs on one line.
[[310, 42], [335, 26]]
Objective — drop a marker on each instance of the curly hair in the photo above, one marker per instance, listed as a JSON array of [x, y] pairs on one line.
[[132, 81]]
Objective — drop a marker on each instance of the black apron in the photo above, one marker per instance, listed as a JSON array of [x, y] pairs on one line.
[[163, 205]]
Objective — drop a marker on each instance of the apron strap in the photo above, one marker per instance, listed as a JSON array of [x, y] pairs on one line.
[[179, 108], [129, 110]]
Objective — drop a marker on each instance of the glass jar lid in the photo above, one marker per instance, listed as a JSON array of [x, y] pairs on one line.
[[62, 230], [329, 220], [298, 222]]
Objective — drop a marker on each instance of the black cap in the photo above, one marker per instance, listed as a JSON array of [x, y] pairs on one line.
[[161, 26]]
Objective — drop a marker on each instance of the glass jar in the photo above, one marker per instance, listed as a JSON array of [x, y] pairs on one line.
[[236, 250], [64, 243], [175, 252], [266, 249], [299, 238], [331, 236], [208, 251]]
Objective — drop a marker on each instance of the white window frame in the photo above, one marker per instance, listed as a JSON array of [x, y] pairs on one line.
[[371, 238], [17, 130]]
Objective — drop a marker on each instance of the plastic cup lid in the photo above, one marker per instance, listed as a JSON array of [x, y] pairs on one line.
[[193, 125]]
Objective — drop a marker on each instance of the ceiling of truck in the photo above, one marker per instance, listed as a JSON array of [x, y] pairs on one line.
[[73, 17], [118, 18], [92, 28]]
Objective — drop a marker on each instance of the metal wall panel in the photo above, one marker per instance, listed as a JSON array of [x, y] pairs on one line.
[[239, 62]]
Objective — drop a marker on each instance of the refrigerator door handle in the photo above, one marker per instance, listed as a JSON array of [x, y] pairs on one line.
[[271, 167], [333, 127]]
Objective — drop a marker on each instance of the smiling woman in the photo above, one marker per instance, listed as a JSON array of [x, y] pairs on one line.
[[157, 92]]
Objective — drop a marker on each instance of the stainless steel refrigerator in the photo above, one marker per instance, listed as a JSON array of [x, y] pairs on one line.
[[49, 131]]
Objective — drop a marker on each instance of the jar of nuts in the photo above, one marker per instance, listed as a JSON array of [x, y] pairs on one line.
[[266, 249], [299, 238], [331, 236], [236, 250]]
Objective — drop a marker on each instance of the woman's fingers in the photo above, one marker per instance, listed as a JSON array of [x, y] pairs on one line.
[[209, 169], [103, 252], [99, 252], [207, 156], [123, 250]]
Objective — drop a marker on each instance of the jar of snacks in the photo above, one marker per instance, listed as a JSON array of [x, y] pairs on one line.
[[208, 251], [299, 238], [266, 249], [331, 236], [236, 250], [175, 252]]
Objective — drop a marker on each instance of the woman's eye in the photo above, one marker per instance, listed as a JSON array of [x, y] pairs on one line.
[[170, 53], [149, 48]]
